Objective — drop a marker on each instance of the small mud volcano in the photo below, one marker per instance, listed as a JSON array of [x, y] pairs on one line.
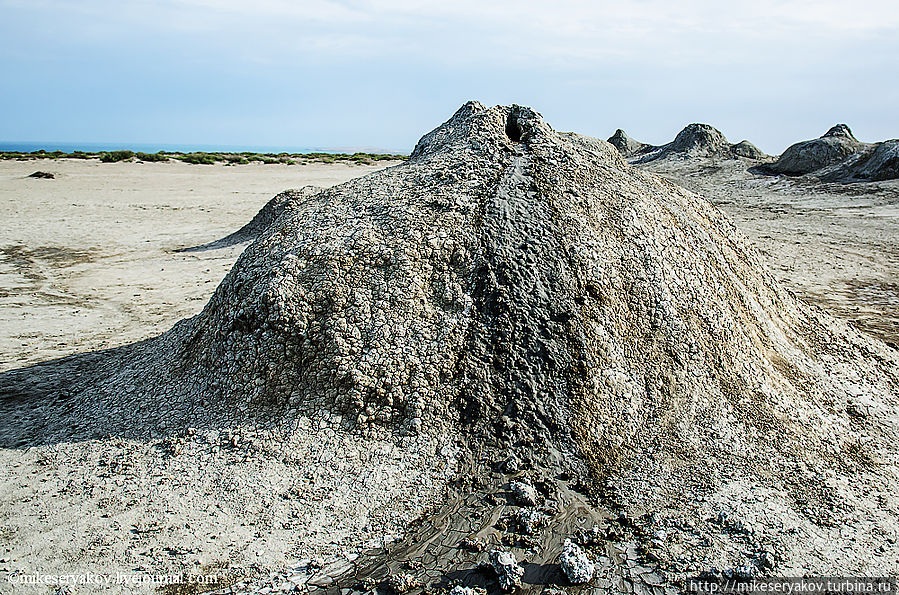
[[626, 145], [809, 156], [696, 141], [515, 310], [260, 222]]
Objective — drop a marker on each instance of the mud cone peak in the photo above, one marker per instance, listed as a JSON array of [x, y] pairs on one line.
[[840, 130], [516, 290]]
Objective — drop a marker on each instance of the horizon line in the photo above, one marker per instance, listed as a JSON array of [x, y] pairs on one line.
[[22, 146]]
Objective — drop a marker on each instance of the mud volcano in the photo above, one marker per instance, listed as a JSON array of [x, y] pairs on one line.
[[518, 304], [695, 141], [805, 157], [626, 145]]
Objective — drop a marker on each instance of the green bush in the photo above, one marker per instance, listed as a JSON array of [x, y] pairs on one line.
[[152, 157], [198, 158], [114, 156]]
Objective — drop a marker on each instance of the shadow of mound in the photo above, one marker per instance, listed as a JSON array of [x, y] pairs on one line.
[[238, 237], [764, 169], [125, 392], [36, 398]]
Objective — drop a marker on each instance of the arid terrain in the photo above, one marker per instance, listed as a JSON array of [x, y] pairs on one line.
[[511, 340], [833, 244], [88, 261]]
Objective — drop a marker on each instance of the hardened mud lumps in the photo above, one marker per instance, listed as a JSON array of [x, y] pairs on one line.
[[513, 289]]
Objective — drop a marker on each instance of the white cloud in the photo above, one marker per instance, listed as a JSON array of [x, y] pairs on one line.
[[466, 30]]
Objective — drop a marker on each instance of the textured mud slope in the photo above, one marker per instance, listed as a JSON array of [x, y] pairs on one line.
[[696, 141], [515, 290], [805, 157], [877, 163], [626, 145], [258, 224]]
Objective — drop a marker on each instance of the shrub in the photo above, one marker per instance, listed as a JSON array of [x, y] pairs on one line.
[[199, 158], [114, 156], [151, 157]]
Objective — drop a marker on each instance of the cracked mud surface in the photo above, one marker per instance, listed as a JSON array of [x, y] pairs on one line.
[[512, 304], [833, 244]]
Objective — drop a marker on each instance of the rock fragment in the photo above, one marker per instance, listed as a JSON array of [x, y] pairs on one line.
[[575, 563], [529, 521], [402, 582], [506, 568], [523, 493]]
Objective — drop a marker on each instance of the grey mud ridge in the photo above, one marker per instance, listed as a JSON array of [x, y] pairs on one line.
[[548, 345]]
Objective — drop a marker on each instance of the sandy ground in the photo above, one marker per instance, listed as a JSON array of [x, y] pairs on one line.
[[834, 245], [87, 261]]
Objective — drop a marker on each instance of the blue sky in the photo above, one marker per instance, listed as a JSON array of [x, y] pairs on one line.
[[355, 73]]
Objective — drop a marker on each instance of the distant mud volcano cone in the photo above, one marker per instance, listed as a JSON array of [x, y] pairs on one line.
[[626, 145], [700, 138], [514, 291], [698, 141], [746, 149], [805, 157]]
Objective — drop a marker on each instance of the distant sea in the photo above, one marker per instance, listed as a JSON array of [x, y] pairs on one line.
[[68, 147]]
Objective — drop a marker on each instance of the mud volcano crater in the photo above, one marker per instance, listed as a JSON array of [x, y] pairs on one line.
[[514, 293]]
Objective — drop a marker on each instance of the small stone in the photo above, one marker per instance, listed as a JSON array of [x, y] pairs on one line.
[[529, 521], [575, 563], [402, 583], [523, 493], [511, 465], [471, 544], [507, 569]]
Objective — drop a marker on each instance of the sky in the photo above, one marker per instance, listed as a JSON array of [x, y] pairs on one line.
[[380, 73]]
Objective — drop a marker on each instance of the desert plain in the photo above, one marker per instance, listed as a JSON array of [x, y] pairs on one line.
[[90, 260]]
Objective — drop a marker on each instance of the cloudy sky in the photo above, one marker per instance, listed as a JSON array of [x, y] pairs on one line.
[[379, 73]]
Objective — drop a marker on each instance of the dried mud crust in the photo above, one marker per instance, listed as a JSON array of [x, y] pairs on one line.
[[263, 219], [831, 243], [513, 290]]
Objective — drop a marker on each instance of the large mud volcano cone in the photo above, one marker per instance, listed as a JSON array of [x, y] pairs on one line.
[[524, 291]]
